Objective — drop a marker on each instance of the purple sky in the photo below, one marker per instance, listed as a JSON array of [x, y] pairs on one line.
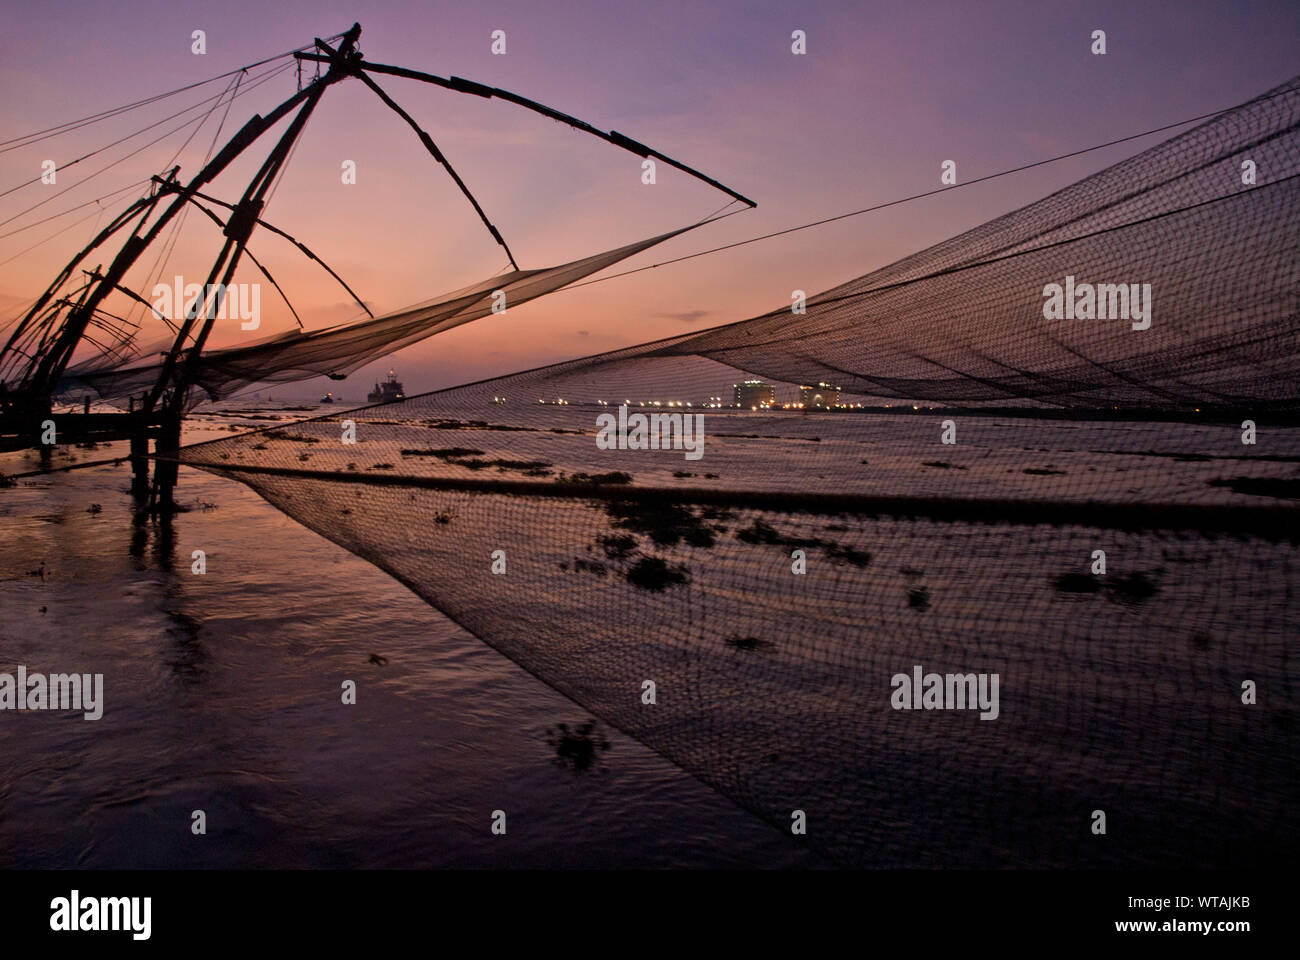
[[885, 93]]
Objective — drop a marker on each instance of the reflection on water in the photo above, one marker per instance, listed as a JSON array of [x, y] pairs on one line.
[[186, 655], [222, 692]]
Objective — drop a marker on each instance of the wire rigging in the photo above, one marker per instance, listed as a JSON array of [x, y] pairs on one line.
[[30, 138], [918, 196]]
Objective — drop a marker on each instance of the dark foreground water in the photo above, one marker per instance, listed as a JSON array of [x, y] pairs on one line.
[[222, 694], [223, 689]]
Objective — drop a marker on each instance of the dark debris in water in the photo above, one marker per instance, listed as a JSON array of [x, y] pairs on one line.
[[845, 554], [589, 566], [577, 749], [654, 573], [748, 643], [1077, 583], [443, 453], [1281, 488], [532, 468], [614, 477], [762, 532], [473, 425], [619, 546], [667, 524], [1135, 587], [295, 437], [759, 531]]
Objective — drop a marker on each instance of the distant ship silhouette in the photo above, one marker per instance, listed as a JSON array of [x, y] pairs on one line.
[[388, 391]]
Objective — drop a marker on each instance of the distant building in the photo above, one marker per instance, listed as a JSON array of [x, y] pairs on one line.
[[754, 394], [823, 395]]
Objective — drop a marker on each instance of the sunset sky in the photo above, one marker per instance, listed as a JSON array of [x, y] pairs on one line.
[[885, 93]]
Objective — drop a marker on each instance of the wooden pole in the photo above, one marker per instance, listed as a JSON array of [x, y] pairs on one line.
[[139, 460], [166, 468]]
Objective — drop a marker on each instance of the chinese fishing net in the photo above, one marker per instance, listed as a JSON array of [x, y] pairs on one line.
[[1156, 684]]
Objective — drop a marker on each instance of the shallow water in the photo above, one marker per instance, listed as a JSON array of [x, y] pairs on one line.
[[222, 693], [223, 689]]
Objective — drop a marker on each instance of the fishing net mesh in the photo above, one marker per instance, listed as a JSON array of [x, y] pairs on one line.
[[343, 349], [968, 488]]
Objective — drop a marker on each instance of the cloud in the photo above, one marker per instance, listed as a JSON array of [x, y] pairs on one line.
[[689, 316]]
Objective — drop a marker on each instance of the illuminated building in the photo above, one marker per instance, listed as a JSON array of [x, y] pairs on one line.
[[823, 395], [755, 394]]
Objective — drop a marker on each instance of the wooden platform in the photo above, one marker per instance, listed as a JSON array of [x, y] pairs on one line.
[[23, 433]]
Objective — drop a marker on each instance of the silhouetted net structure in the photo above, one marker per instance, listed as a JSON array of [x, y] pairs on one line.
[[339, 350], [776, 587]]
